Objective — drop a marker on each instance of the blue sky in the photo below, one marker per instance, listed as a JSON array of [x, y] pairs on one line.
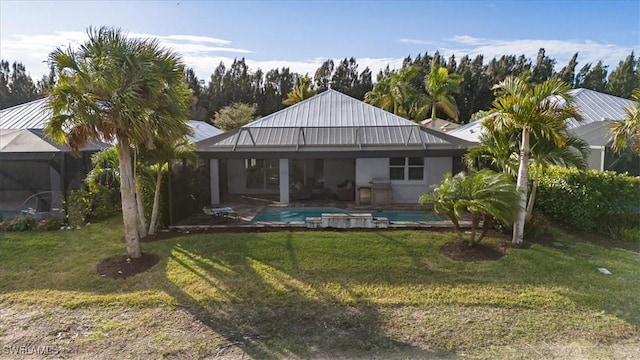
[[302, 34]]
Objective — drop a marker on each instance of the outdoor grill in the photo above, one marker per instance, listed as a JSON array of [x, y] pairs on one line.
[[380, 191]]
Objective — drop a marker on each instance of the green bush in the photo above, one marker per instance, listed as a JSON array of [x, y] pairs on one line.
[[49, 225], [22, 224], [587, 200], [103, 203], [78, 207]]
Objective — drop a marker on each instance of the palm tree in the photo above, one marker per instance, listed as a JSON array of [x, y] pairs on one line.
[[484, 196], [165, 151], [395, 93], [118, 89], [531, 109], [626, 133], [300, 92], [498, 150], [439, 85]]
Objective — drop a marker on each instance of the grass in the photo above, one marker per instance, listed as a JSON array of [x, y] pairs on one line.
[[317, 294]]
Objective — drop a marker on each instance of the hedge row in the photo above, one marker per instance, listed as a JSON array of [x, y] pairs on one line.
[[587, 200]]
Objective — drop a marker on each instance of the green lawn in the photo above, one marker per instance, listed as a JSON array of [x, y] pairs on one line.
[[317, 294]]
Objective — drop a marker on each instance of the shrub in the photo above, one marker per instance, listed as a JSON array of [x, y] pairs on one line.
[[49, 225], [537, 225], [78, 206], [102, 202], [22, 224], [585, 199]]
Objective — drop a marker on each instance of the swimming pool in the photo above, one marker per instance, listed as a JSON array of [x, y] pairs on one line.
[[288, 214]]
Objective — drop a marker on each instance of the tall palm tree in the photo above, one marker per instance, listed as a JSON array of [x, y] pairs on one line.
[[484, 196], [395, 93], [498, 150], [301, 91], [118, 89], [439, 85], [531, 109], [626, 133]]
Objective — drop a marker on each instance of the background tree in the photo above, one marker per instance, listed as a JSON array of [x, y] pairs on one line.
[[543, 68], [120, 89], [530, 109], [300, 92], [439, 85], [234, 116], [395, 92], [624, 79], [592, 78], [16, 86], [568, 73]]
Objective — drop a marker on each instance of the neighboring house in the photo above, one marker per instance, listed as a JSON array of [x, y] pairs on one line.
[[37, 173], [333, 145], [597, 110], [440, 125]]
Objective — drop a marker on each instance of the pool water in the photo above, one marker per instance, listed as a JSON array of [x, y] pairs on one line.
[[287, 214]]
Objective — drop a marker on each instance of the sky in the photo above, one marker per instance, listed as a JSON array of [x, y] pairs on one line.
[[302, 34]]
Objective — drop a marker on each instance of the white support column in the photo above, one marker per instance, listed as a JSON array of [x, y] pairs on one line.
[[284, 181], [214, 176]]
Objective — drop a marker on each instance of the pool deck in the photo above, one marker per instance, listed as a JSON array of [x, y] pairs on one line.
[[248, 207]]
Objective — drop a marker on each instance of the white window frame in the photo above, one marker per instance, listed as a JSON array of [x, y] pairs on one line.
[[406, 168]]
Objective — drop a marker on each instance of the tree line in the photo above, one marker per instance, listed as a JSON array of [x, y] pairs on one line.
[[266, 91]]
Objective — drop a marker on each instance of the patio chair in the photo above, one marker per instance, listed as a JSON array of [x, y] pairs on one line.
[[220, 213]]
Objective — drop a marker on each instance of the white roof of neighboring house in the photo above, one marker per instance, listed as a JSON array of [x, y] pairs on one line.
[[440, 124], [35, 115], [202, 130], [593, 106], [34, 141], [330, 119]]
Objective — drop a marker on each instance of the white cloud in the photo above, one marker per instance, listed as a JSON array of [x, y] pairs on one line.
[[561, 50], [416, 42], [33, 51]]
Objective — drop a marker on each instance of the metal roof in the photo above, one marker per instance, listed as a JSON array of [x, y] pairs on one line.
[[31, 115], [330, 120], [330, 109], [202, 130], [596, 106], [595, 133], [35, 141], [593, 106], [36, 114]]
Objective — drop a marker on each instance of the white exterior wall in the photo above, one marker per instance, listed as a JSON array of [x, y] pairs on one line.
[[406, 191], [595, 160]]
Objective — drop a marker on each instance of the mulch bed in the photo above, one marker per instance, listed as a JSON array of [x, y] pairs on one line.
[[122, 266], [461, 251]]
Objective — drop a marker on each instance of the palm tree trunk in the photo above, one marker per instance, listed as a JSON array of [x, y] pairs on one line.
[[142, 223], [487, 222], [153, 223], [128, 196], [433, 115], [521, 187], [532, 199]]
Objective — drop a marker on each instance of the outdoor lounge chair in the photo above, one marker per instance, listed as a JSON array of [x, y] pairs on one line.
[[220, 213]]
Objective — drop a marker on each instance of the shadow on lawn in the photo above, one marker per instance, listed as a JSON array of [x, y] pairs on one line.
[[268, 313]]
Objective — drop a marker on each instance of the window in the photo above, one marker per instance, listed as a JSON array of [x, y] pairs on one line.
[[262, 174], [406, 168]]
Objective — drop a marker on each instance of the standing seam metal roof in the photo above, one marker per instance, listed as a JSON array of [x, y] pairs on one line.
[[328, 119], [593, 106]]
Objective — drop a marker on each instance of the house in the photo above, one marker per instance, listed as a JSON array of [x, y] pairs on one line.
[[597, 110], [37, 173], [330, 144]]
